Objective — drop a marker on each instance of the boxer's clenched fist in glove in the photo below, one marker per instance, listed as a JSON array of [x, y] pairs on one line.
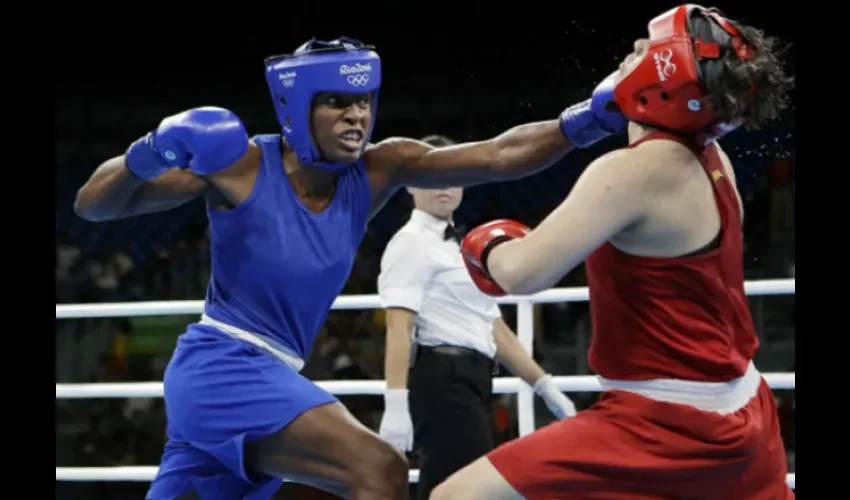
[[478, 243]]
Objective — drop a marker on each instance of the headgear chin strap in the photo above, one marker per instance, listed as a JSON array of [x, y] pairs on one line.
[[666, 88], [342, 66]]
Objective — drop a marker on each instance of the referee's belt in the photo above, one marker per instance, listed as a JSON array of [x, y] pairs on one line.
[[455, 351]]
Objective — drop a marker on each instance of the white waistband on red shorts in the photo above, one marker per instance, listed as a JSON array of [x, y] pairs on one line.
[[271, 346], [720, 397]]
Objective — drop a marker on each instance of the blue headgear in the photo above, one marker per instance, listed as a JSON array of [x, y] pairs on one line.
[[344, 65]]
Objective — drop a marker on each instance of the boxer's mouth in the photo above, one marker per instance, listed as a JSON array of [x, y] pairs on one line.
[[352, 138]]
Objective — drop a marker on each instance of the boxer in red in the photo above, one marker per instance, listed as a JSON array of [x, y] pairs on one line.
[[684, 414]]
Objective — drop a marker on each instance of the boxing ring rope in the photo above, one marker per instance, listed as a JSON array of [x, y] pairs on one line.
[[501, 385]]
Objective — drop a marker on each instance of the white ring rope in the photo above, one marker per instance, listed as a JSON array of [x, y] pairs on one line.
[[178, 307], [501, 385], [147, 473]]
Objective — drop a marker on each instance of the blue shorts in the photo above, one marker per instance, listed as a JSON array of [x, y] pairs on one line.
[[221, 393]]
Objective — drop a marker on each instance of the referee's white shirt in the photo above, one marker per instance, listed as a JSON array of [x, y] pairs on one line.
[[423, 272]]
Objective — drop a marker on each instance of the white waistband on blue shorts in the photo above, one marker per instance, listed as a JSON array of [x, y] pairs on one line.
[[720, 397], [267, 344]]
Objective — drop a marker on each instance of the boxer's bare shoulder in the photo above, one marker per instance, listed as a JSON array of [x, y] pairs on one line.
[[236, 182], [383, 157], [665, 164]]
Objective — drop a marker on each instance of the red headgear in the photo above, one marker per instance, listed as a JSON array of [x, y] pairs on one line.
[[665, 90]]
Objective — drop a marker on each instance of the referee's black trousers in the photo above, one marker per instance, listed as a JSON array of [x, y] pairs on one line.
[[449, 394]]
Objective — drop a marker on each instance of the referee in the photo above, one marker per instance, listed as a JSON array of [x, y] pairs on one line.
[[444, 338]]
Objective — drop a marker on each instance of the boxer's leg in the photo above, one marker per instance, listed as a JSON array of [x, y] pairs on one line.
[[328, 448], [480, 479], [261, 422], [626, 447], [764, 478]]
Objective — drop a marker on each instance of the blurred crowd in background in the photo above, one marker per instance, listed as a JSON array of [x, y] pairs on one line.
[[166, 256]]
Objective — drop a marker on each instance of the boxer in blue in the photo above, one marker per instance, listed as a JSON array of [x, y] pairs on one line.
[[286, 216]]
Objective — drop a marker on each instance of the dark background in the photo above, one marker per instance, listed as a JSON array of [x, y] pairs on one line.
[[466, 70]]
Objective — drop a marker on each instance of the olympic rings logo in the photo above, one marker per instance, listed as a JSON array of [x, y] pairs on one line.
[[358, 80], [664, 64]]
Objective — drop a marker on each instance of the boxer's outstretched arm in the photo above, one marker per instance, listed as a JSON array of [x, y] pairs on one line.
[[113, 192], [609, 197], [516, 153]]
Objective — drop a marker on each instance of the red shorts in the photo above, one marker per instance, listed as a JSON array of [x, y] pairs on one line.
[[630, 447]]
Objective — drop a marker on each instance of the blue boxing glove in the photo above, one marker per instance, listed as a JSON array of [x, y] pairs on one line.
[[204, 140], [588, 122]]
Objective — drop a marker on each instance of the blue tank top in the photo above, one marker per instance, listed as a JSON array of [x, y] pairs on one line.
[[276, 266]]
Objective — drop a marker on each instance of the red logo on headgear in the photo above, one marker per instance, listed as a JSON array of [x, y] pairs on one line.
[[664, 64]]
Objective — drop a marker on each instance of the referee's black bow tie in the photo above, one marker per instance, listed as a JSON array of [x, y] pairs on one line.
[[454, 233]]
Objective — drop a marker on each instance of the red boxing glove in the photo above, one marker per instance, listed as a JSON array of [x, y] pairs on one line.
[[477, 244]]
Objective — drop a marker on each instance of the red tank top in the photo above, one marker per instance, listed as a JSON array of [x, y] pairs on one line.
[[684, 318]]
